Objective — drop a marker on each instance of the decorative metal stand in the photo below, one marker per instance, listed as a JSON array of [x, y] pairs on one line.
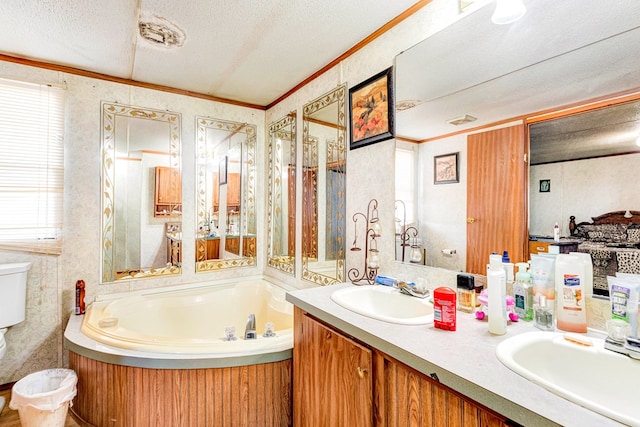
[[409, 237], [372, 257]]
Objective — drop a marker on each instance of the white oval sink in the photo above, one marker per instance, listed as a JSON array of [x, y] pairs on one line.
[[385, 303], [591, 376]]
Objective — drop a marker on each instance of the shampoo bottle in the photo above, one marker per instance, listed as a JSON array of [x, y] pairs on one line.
[[570, 280], [497, 300]]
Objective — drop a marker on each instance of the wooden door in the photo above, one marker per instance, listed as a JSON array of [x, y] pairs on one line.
[[496, 196], [332, 377]]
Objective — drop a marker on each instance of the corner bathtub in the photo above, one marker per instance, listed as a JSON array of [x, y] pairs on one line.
[[158, 357]]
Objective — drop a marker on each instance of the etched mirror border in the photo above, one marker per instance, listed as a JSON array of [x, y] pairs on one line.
[[110, 111], [338, 96], [248, 183], [281, 131]]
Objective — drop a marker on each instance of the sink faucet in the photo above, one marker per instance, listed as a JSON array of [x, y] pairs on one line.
[[250, 329], [410, 289]]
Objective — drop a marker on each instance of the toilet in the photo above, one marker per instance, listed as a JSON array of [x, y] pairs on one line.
[[13, 297]]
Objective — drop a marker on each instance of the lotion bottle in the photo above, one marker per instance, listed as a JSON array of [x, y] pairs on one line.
[[497, 299], [570, 293]]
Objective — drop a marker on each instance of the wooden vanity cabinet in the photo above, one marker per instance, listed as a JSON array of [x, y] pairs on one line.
[[168, 192], [332, 381], [339, 381]]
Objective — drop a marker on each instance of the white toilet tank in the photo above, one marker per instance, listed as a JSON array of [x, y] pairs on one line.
[[13, 293]]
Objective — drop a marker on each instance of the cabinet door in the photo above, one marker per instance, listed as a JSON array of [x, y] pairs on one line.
[[332, 380], [405, 397]]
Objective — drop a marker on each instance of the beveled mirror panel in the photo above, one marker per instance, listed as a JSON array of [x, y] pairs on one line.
[[324, 188], [281, 216], [226, 199], [141, 193]]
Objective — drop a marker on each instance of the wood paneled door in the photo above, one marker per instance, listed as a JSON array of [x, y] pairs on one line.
[[496, 196]]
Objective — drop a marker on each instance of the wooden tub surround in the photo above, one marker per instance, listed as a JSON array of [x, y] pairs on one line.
[[111, 395]]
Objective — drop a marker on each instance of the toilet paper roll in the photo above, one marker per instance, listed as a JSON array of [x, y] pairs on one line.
[[449, 252]]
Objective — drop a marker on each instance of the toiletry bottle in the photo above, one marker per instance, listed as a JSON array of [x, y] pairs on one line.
[[497, 300], [444, 308], [543, 314], [523, 293], [570, 294], [466, 292], [556, 233], [508, 266], [80, 308]]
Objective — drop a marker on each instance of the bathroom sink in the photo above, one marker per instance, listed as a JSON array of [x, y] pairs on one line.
[[579, 369], [385, 303]]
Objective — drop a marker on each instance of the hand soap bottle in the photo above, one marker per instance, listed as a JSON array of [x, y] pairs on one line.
[[497, 300], [523, 293]]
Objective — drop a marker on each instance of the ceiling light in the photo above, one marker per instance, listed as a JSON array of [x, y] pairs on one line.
[[462, 120], [407, 104], [508, 11], [160, 32], [638, 141]]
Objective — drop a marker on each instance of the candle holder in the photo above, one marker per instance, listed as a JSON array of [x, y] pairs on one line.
[[408, 238], [372, 256]]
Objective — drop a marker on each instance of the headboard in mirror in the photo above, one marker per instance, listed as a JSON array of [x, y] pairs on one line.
[[226, 194], [141, 192], [324, 188], [281, 199]]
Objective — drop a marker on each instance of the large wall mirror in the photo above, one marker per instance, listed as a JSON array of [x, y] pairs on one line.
[[141, 192], [324, 188], [518, 69], [226, 194], [281, 199]]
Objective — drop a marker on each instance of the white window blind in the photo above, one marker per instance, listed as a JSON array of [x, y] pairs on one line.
[[406, 182], [31, 164]]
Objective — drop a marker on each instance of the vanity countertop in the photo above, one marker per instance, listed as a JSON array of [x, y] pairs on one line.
[[464, 360]]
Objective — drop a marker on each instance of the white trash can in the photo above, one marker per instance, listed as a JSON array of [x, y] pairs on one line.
[[43, 398]]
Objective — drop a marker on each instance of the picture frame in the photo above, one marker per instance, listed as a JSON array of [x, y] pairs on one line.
[[446, 169], [222, 172], [372, 110], [545, 185]]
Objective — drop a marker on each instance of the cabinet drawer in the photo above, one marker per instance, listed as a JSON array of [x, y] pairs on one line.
[[537, 247]]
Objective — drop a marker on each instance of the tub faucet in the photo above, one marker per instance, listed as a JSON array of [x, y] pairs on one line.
[[250, 329]]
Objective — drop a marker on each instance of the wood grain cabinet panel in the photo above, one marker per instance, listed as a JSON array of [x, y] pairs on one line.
[[168, 192], [334, 385], [332, 377]]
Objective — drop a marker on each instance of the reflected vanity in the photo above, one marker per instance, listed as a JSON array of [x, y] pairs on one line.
[[323, 188], [141, 192], [281, 216], [226, 199]]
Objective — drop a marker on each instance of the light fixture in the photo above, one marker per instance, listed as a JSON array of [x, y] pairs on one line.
[[508, 11], [638, 141], [462, 120]]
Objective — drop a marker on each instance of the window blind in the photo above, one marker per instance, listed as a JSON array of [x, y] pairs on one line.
[[31, 163], [406, 182]]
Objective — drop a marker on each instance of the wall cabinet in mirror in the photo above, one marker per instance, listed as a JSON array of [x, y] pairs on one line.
[[226, 199], [141, 192], [168, 194], [281, 249], [324, 188]]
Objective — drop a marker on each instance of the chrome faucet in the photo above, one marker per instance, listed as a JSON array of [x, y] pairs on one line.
[[411, 290], [250, 329]]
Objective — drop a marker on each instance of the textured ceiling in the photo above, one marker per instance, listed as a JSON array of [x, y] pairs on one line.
[[248, 51]]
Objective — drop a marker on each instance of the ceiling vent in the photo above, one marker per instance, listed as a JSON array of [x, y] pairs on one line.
[[462, 120], [160, 32]]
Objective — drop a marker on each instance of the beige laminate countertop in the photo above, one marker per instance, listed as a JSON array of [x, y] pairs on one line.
[[463, 360]]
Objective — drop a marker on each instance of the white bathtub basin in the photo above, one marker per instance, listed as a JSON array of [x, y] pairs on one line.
[[385, 303], [598, 379]]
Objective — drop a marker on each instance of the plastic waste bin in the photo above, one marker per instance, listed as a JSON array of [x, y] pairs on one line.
[[43, 398]]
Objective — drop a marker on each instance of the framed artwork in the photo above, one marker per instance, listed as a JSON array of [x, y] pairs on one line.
[[545, 185], [223, 170], [372, 110], [445, 169]]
